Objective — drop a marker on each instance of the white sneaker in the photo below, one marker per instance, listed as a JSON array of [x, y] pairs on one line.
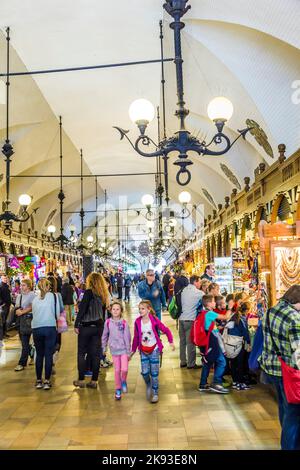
[[19, 368], [154, 399]]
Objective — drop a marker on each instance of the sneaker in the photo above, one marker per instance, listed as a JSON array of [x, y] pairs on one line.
[[243, 387], [103, 364], [148, 391], [217, 388], [109, 363], [235, 385], [92, 384], [183, 365], [47, 385], [19, 367], [39, 384], [194, 367], [154, 399], [79, 383], [118, 394], [88, 373], [124, 387], [204, 388]]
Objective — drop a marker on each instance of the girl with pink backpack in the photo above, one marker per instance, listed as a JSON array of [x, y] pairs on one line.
[[116, 334]]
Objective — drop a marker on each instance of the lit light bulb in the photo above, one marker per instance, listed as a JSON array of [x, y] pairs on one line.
[[150, 224], [90, 239], [141, 111], [147, 200], [184, 197], [72, 228], [103, 245], [220, 109], [24, 200], [51, 229]]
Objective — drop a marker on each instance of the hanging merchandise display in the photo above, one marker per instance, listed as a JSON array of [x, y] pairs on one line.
[[286, 263], [240, 269], [223, 274]]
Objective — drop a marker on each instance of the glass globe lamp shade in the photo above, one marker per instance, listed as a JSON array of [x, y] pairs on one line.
[[90, 239], [141, 111], [72, 228], [184, 197], [24, 200], [51, 229], [220, 109], [173, 222], [103, 245], [150, 224], [147, 200]]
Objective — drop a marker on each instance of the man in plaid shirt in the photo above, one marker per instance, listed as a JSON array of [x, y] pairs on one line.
[[283, 323]]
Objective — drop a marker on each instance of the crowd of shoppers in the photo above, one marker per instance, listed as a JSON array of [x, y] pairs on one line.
[[209, 322]]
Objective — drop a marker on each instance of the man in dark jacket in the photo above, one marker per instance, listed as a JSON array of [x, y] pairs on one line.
[[152, 290], [5, 303], [181, 282], [120, 285], [209, 272], [166, 281], [67, 293]]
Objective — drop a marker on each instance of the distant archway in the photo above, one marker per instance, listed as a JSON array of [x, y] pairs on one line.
[[281, 211], [227, 244]]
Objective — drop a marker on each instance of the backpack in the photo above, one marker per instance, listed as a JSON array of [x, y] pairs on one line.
[[257, 349], [173, 309], [95, 310], [199, 336]]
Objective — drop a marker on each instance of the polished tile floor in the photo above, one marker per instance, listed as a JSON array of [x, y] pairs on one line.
[[68, 418]]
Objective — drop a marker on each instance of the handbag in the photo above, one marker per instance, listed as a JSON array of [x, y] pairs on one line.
[[61, 323], [233, 344], [290, 376], [23, 322]]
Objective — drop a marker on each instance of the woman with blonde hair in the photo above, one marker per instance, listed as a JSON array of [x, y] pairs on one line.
[[45, 313], [89, 326]]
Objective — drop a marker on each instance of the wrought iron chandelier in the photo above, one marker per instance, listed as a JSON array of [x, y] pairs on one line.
[[7, 216], [142, 112], [62, 239]]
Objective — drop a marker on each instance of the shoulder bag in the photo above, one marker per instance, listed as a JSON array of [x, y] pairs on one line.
[[290, 376], [61, 323], [233, 344], [25, 321]]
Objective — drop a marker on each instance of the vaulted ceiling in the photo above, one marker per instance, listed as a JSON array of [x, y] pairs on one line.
[[247, 51]]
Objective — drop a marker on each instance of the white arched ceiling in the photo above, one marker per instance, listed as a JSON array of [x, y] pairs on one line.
[[246, 50]]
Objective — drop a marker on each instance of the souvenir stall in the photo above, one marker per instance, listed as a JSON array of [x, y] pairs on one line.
[[280, 254]]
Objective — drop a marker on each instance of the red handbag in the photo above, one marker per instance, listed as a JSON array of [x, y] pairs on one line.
[[290, 376], [291, 383]]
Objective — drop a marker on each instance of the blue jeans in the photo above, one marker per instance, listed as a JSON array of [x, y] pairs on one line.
[[289, 417], [150, 369], [44, 340], [220, 366]]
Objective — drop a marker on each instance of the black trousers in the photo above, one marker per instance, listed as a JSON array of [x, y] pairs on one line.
[[127, 293], [120, 292], [4, 313], [237, 367], [25, 340], [89, 343]]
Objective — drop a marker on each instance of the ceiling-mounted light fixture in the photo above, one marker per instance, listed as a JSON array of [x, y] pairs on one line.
[[182, 142], [8, 217]]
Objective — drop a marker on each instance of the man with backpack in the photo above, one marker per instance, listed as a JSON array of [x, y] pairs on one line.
[[190, 299]]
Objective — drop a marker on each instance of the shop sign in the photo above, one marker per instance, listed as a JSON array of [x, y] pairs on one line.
[[223, 273]]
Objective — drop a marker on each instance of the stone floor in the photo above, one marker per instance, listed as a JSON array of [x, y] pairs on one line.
[[68, 418]]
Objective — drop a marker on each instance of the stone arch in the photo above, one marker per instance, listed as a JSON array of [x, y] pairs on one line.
[[261, 214], [213, 248], [219, 245], [282, 209]]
